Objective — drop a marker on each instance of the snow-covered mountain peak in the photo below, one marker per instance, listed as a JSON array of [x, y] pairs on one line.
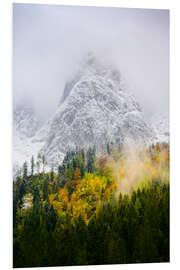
[[25, 121], [25, 127], [160, 124], [96, 66], [93, 68], [94, 110]]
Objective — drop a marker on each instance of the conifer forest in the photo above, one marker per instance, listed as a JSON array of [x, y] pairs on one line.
[[92, 209]]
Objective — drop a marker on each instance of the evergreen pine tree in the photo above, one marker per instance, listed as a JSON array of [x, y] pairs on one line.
[[52, 175], [32, 165], [25, 171], [44, 162], [46, 188], [36, 200]]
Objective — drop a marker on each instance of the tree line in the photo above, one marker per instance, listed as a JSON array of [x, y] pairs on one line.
[[71, 216]]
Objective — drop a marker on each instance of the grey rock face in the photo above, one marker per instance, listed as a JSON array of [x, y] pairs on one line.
[[25, 126], [94, 110], [160, 125], [24, 121]]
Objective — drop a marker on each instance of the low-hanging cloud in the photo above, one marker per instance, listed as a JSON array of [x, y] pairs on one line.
[[49, 41]]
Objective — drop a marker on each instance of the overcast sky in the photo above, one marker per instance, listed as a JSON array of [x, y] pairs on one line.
[[49, 41]]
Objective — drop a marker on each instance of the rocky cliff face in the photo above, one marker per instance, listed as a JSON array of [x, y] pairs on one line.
[[160, 125], [25, 127], [25, 121], [94, 109]]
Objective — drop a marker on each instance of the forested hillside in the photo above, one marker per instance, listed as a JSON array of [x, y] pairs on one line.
[[93, 209]]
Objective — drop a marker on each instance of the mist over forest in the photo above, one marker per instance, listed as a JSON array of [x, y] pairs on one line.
[[91, 150]]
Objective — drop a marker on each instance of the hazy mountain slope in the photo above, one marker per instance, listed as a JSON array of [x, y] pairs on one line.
[[160, 124], [25, 126], [94, 110], [25, 121]]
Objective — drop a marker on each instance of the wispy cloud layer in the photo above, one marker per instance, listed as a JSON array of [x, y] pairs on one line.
[[49, 41]]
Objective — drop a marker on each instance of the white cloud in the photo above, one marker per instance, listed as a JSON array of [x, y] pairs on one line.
[[49, 42]]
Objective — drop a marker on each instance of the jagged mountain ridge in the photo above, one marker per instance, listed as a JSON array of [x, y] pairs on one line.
[[25, 127], [25, 121], [94, 109], [160, 125]]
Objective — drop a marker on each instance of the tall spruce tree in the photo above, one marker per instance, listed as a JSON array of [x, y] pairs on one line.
[[36, 200], [44, 162], [25, 171], [32, 165], [46, 188]]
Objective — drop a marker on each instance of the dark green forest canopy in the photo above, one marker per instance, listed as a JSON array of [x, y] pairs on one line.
[[108, 227]]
